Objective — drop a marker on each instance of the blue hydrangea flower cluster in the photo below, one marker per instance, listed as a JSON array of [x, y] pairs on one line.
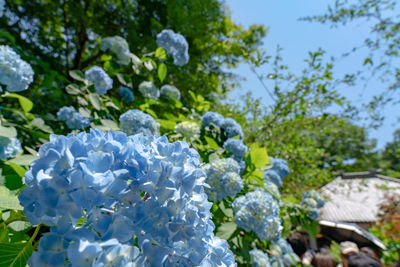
[[149, 90], [258, 211], [175, 44], [2, 4], [102, 82], [223, 178], [118, 200], [212, 118], [276, 262], [230, 127], [119, 47], [126, 93], [135, 121], [72, 118], [170, 92], [15, 73], [9, 147], [277, 173], [271, 187], [259, 258], [236, 147], [282, 249], [188, 129], [314, 202]]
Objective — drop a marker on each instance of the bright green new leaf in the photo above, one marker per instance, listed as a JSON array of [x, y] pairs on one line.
[[8, 201], [161, 53], [162, 71], [17, 168], [258, 156], [211, 142], [15, 254], [167, 124], [24, 102], [8, 131]]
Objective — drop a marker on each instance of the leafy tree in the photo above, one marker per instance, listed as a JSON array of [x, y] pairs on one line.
[[387, 228], [298, 125], [391, 153], [66, 35], [382, 43]]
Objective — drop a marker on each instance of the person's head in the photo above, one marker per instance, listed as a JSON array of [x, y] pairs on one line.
[[323, 259], [362, 260], [371, 252], [347, 249], [298, 243]]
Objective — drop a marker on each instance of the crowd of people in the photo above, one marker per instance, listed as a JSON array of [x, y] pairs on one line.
[[350, 255]]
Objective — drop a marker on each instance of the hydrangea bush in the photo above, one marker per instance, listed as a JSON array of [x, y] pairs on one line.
[[136, 121], [126, 94], [15, 73], [9, 147], [127, 190], [102, 82], [175, 44], [149, 90], [119, 47], [170, 92], [72, 118], [151, 183], [313, 202]]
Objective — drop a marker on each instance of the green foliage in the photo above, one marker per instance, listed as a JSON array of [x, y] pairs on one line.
[[15, 254], [382, 43], [65, 41]]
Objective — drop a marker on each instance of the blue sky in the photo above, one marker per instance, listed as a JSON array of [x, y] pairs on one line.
[[298, 37]]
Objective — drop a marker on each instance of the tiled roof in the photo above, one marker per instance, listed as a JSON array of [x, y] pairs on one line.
[[356, 197]]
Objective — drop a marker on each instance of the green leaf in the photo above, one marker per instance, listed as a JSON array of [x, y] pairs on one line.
[[24, 160], [19, 225], [77, 75], [311, 227], [106, 57], [256, 178], [8, 201], [18, 169], [95, 101], [85, 112], [226, 230], [211, 142], [8, 131], [162, 71], [167, 124], [73, 89], [161, 53], [121, 79], [13, 181], [258, 156], [15, 254], [290, 199], [24, 102], [109, 125], [3, 233], [176, 103]]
